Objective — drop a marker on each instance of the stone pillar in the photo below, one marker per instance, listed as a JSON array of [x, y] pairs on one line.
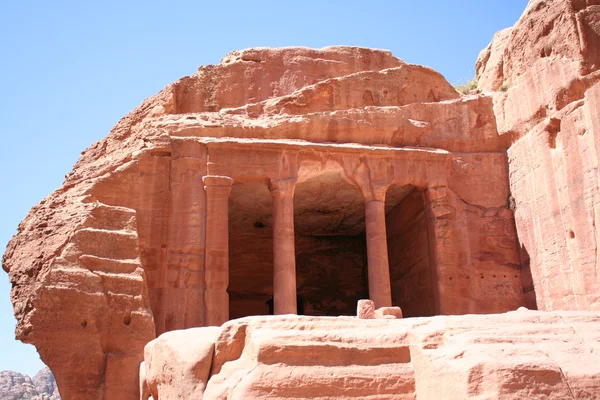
[[284, 253], [378, 270], [216, 276]]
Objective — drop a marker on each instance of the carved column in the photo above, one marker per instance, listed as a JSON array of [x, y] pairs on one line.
[[377, 253], [216, 274], [284, 254]]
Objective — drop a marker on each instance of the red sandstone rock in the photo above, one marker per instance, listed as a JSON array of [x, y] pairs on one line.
[[365, 309], [197, 206], [518, 355], [549, 64], [344, 173], [388, 312], [490, 63], [188, 355]]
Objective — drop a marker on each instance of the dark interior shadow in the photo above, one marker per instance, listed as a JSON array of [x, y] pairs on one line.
[[299, 301], [527, 280]]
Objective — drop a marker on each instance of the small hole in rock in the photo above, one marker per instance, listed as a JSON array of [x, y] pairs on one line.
[[259, 224], [546, 51], [572, 234], [450, 278], [127, 319], [83, 324]]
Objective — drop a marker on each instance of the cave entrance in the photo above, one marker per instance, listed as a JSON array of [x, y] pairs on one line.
[[411, 267], [250, 249], [331, 251]]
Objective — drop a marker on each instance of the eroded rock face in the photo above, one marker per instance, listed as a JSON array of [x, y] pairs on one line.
[[134, 243], [175, 371], [519, 355], [548, 110], [16, 386], [45, 382], [322, 160], [272, 158]]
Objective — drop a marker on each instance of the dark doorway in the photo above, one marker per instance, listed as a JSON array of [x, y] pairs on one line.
[[411, 269], [250, 249], [331, 256]]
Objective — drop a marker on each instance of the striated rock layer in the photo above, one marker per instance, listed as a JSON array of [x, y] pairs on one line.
[[136, 242], [518, 355], [297, 179], [544, 72]]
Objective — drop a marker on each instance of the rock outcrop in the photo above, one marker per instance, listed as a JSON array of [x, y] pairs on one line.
[[308, 154], [16, 386], [302, 180], [519, 355], [545, 74]]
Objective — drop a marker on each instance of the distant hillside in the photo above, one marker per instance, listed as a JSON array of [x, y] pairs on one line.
[[16, 386]]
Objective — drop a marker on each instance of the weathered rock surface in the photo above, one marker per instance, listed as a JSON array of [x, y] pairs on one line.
[[127, 248], [548, 109], [175, 371], [322, 160], [518, 355], [16, 386]]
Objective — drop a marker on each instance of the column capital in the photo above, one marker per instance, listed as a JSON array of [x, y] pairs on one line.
[[371, 177], [283, 187], [217, 181], [376, 192]]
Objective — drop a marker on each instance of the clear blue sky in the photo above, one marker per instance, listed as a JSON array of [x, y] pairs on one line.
[[71, 69]]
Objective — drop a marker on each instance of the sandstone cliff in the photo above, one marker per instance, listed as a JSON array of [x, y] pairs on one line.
[[544, 76], [123, 251], [119, 253]]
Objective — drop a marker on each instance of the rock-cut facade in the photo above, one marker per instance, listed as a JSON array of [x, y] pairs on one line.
[[299, 181]]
